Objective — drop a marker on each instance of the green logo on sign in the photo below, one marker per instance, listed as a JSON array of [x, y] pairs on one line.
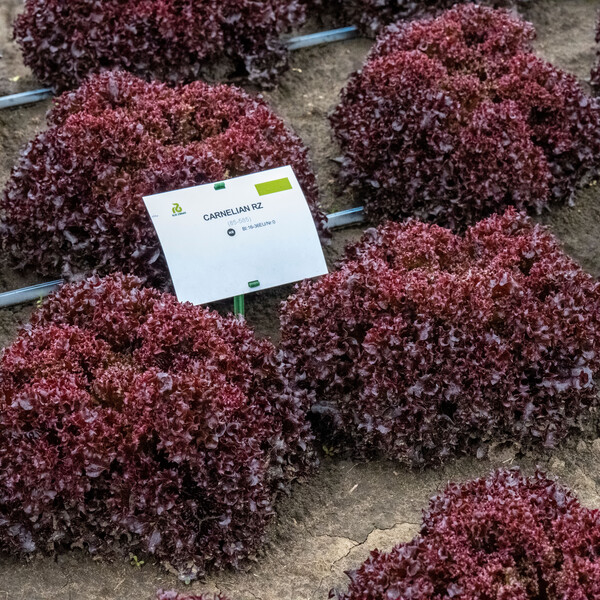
[[177, 209]]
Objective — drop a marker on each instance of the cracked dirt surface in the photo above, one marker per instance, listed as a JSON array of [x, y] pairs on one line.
[[332, 521], [328, 526]]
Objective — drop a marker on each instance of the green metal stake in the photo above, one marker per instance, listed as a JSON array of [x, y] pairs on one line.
[[238, 301], [238, 305]]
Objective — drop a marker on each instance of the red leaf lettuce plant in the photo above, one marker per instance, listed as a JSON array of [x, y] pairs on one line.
[[373, 15], [507, 537], [177, 41], [424, 345], [73, 204], [454, 118], [132, 422]]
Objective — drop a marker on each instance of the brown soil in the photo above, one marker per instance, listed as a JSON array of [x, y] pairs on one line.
[[331, 522]]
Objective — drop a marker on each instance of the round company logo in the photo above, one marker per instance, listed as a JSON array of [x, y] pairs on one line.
[[176, 208], [231, 232]]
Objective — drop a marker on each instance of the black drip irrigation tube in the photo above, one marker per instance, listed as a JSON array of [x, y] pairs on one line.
[[295, 43], [336, 220]]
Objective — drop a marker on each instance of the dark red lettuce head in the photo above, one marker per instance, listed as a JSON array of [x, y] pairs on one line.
[[453, 119], [73, 205], [169, 40], [507, 536], [424, 345], [372, 16], [130, 422]]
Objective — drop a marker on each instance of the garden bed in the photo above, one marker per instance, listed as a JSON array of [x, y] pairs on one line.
[[332, 521]]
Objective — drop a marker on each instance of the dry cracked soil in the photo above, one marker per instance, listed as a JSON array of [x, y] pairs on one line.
[[331, 522]]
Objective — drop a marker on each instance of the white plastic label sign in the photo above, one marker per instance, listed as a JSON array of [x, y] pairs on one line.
[[238, 236]]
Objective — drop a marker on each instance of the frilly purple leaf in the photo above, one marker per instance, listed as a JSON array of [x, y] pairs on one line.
[[131, 422], [424, 345]]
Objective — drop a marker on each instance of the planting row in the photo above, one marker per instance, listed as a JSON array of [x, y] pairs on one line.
[[181, 41], [506, 537], [130, 420], [373, 15], [451, 120]]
